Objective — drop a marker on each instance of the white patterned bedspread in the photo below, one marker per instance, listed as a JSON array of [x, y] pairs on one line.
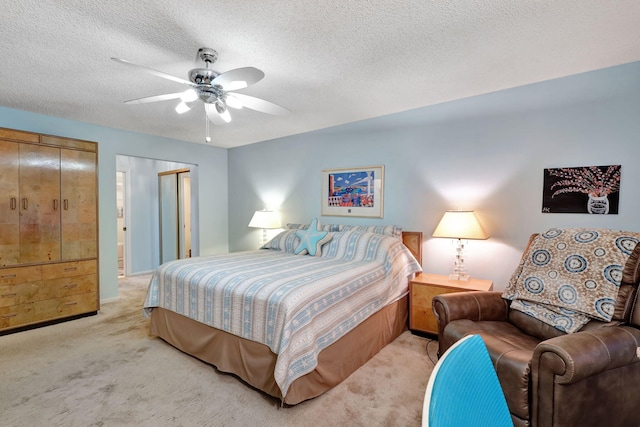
[[295, 304]]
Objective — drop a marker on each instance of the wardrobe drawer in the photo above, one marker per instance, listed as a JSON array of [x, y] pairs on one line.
[[56, 288], [69, 306], [69, 269], [10, 276], [40, 311], [23, 293], [20, 293]]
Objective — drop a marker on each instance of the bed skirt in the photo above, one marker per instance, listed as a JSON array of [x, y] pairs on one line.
[[254, 362]]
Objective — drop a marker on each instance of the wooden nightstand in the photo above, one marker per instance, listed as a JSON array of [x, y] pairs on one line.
[[424, 287]]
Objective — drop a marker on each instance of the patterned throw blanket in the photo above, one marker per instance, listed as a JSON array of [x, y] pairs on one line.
[[570, 276], [295, 304]]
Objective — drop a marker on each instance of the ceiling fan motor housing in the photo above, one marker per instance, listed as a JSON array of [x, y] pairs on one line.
[[202, 76]]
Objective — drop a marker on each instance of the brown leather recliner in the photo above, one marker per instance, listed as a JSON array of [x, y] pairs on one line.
[[549, 378]]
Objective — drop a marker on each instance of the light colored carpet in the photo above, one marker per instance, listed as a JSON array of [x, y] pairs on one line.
[[106, 370]]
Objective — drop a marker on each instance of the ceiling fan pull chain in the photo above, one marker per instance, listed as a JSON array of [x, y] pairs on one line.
[[206, 121]]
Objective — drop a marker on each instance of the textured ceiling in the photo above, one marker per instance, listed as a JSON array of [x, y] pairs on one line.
[[329, 62]]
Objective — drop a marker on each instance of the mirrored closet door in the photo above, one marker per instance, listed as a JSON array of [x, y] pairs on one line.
[[175, 214]]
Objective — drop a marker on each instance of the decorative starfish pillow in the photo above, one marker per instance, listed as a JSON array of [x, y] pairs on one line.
[[312, 239]]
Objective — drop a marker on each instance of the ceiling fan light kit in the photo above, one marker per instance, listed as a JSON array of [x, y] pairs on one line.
[[189, 95], [213, 89], [222, 110]]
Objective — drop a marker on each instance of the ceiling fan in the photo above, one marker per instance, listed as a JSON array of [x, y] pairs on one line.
[[216, 90]]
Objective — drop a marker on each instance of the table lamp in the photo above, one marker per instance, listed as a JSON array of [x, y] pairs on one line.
[[460, 225], [265, 219]]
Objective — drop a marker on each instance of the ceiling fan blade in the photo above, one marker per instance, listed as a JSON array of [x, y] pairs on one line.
[[238, 78], [154, 72], [261, 105], [213, 114], [155, 98]]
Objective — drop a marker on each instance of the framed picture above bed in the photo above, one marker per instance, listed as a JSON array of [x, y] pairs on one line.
[[355, 192]]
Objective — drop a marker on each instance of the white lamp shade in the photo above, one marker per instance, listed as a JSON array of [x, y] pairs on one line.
[[265, 219], [460, 225]]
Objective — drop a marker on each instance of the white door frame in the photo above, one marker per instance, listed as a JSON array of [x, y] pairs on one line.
[[126, 201]]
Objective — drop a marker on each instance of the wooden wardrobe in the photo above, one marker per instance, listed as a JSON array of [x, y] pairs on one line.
[[48, 229]]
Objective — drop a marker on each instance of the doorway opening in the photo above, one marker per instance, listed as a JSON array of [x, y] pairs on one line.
[[141, 250], [121, 179]]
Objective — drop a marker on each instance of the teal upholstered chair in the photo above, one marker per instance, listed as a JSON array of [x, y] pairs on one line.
[[464, 390]]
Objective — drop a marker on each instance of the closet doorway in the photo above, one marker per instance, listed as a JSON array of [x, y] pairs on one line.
[[175, 214]]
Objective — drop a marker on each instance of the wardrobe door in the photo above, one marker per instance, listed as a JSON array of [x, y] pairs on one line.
[[9, 196], [39, 203], [79, 204]]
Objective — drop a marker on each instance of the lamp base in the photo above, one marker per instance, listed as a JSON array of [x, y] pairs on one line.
[[459, 272], [463, 277]]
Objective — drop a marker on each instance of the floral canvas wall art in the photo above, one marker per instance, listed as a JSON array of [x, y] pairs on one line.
[[587, 189]]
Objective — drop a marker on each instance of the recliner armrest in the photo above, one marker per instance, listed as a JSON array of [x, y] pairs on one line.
[[473, 305], [573, 357], [477, 305], [587, 378]]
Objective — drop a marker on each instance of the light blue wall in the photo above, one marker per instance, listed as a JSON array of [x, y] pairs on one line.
[[485, 153], [212, 171]]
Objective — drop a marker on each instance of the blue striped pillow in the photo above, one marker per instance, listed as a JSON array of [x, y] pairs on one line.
[[387, 230], [286, 241]]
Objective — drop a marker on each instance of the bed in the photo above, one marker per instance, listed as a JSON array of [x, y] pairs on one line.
[[292, 326]]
